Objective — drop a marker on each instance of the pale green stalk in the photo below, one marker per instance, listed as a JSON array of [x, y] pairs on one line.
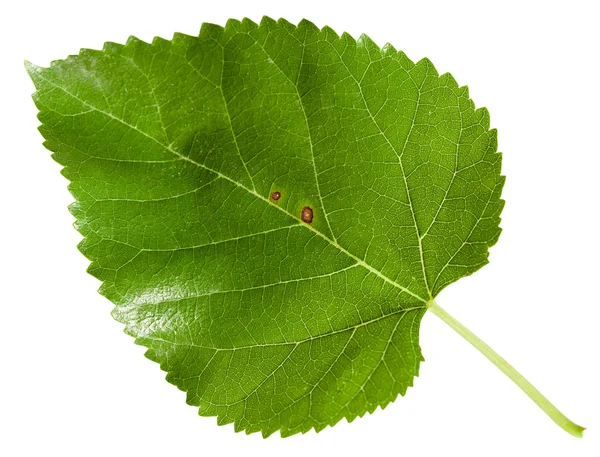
[[561, 420]]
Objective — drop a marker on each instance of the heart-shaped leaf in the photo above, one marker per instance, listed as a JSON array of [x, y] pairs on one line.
[[273, 208]]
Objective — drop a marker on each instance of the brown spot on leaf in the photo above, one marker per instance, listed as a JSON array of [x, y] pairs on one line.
[[307, 214], [275, 195]]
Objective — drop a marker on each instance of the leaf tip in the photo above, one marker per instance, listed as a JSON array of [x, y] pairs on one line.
[[29, 67], [32, 70]]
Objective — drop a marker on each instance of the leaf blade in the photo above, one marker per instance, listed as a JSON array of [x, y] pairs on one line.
[[174, 205]]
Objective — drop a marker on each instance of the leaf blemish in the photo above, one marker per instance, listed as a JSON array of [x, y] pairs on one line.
[[307, 214], [275, 195]]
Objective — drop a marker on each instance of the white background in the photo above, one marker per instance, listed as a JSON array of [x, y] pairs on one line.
[[72, 384]]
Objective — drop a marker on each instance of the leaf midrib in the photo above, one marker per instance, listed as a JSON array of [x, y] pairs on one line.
[[358, 260]]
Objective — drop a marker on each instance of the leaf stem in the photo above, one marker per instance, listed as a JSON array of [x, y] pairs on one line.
[[559, 418]]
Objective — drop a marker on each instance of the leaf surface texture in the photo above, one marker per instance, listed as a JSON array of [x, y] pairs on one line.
[[173, 150]]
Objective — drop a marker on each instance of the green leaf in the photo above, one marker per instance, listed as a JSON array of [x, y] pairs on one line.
[[264, 318]]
